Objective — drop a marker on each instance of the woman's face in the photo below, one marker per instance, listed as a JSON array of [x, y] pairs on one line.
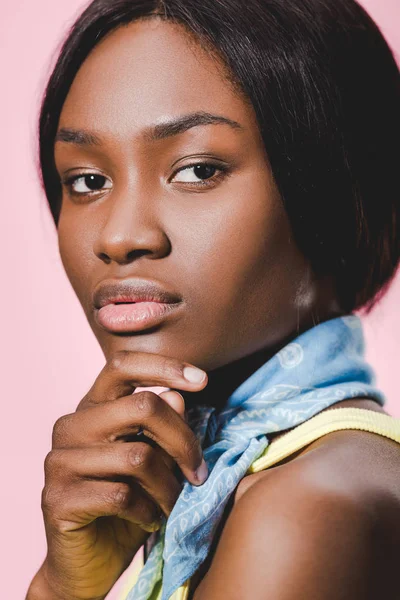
[[216, 236]]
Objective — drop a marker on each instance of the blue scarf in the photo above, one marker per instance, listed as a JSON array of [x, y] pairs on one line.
[[319, 368]]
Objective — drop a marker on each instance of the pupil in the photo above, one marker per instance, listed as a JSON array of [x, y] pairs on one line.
[[203, 171], [93, 182]]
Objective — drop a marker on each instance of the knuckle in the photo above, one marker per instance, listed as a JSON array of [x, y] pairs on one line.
[[60, 429], [48, 463], [172, 369], [146, 404], [51, 497], [87, 401], [140, 456], [118, 360], [119, 498], [54, 463]]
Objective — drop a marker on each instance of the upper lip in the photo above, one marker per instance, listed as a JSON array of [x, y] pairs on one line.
[[131, 290]]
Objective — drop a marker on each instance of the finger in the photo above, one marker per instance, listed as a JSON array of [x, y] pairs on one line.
[[84, 501], [175, 400], [127, 370], [85, 428], [143, 411], [136, 461]]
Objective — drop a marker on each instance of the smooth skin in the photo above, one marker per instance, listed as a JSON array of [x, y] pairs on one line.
[[219, 237]]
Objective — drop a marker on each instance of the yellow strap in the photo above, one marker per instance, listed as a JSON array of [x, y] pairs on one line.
[[182, 593], [331, 420], [134, 570], [334, 419]]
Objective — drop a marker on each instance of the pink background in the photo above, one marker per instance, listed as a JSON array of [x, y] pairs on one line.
[[50, 357]]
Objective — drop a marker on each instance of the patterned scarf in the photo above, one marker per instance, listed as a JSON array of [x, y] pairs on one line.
[[319, 368]]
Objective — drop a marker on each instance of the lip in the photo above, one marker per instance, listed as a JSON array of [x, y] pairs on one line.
[[129, 305]]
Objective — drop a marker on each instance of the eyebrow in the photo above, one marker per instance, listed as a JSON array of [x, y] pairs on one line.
[[151, 133]]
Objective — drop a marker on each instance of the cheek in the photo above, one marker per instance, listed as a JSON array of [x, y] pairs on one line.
[[247, 267], [75, 243], [244, 240]]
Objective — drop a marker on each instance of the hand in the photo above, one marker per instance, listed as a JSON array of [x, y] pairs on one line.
[[104, 492]]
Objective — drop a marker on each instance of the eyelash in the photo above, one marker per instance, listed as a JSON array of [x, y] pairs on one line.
[[223, 171]]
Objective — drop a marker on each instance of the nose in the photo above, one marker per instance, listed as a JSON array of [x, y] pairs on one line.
[[130, 228]]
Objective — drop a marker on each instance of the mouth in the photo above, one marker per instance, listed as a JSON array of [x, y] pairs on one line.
[[130, 305], [133, 316]]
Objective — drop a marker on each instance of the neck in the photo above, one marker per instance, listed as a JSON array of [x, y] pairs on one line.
[[223, 381]]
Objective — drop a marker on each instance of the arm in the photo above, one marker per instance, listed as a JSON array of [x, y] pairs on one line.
[[293, 539]]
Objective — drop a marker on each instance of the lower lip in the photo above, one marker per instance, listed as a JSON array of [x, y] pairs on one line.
[[135, 316]]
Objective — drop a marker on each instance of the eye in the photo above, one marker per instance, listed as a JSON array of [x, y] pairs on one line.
[[84, 184], [199, 174]]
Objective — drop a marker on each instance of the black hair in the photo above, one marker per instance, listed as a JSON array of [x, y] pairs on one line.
[[325, 88]]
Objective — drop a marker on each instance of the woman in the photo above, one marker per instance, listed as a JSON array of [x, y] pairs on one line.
[[222, 177]]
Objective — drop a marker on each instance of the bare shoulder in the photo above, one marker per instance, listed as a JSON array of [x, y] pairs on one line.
[[324, 525], [352, 461]]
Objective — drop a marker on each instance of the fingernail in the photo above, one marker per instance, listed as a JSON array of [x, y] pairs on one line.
[[193, 374], [202, 472]]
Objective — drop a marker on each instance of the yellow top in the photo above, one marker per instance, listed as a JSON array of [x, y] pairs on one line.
[[331, 420]]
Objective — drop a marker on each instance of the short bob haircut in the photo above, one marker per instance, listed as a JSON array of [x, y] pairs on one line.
[[325, 88]]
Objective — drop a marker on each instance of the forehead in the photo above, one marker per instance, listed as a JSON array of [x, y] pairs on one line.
[[147, 71]]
